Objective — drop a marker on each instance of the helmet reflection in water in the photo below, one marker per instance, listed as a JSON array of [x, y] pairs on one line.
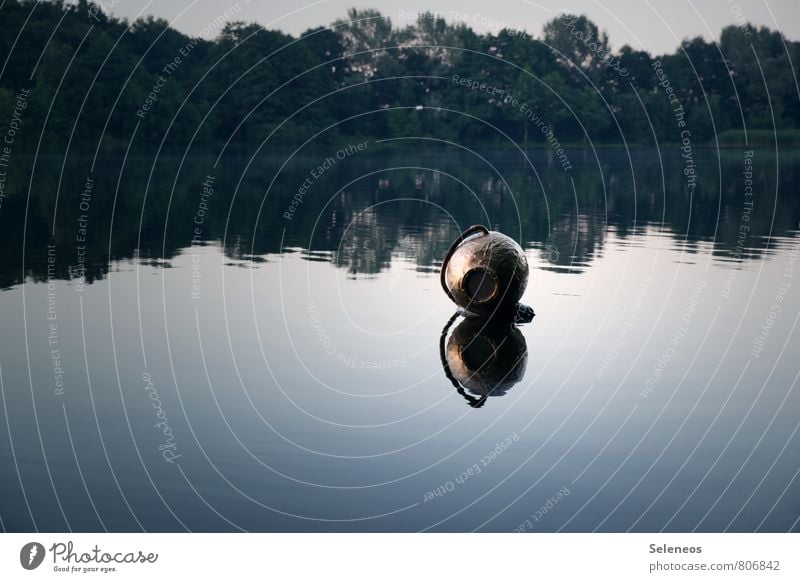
[[482, 358]]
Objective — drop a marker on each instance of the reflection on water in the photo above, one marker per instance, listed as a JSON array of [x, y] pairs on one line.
[[391, 203], [287, 348], [482, 358]]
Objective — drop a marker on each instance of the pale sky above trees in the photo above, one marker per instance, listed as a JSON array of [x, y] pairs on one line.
[[657, 26]]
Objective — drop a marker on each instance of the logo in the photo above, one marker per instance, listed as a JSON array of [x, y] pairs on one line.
[[31, 555]]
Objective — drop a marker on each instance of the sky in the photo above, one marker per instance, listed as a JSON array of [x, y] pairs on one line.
[[654, 25]]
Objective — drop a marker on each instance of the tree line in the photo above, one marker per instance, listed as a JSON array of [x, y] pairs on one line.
[[92, 79]]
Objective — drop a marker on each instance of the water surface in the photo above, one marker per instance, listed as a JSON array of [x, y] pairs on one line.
[[196, 344]]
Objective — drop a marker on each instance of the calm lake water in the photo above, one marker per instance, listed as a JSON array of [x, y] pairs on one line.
[[195, 344]]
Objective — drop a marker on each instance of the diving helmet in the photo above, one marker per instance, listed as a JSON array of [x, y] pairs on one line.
[[485, 272]]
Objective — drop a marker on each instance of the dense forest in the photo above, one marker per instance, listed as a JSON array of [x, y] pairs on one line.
[[73, 74]]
